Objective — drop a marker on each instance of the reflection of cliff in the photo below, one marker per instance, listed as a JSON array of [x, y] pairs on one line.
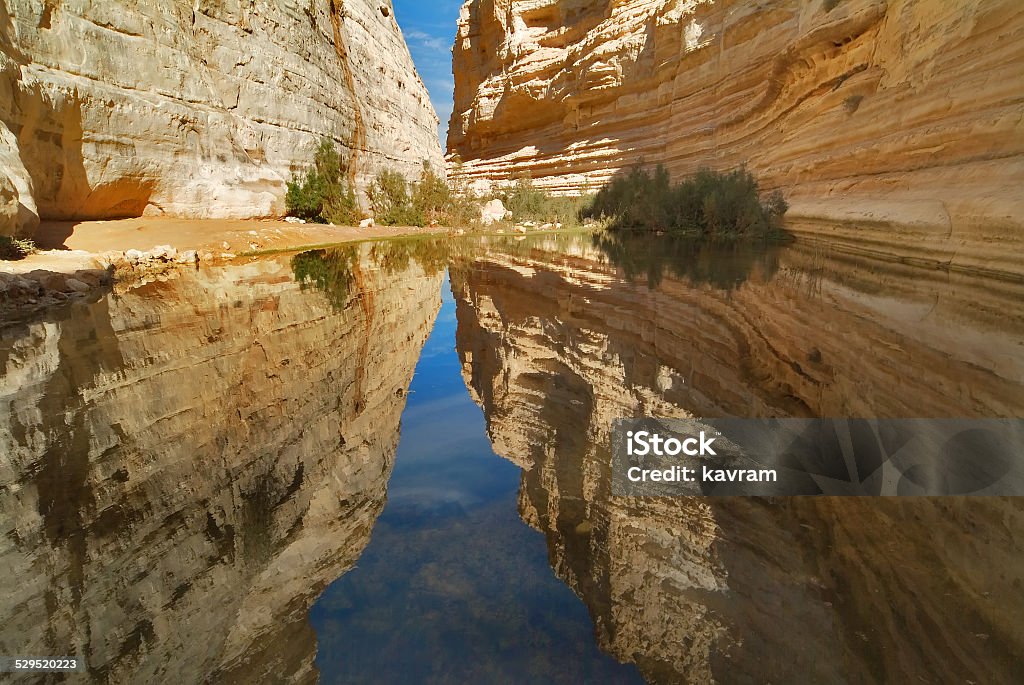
[[187, 465], [751, 590]]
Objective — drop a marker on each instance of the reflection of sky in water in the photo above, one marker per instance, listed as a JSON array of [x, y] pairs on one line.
[[454, 587]]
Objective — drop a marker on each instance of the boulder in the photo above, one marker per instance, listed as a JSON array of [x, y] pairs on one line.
[[49, 280], [494, 211]]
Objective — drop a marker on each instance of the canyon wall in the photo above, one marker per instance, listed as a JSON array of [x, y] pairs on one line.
[[555, 346], [197, 109], [185, 467], [893, 125]]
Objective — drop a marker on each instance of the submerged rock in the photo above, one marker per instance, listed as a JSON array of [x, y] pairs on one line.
[[23, 294], [77, 285]]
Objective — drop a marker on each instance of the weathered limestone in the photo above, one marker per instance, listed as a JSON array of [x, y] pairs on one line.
[[186, 466], [199, 109], [8, 206], [891, 124], [18, 213], [748, 590]]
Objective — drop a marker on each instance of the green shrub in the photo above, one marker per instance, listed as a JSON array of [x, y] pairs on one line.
[[636, 200], [16, 248], [467, 206], [396, 202], [437, 202], [775, 204], [431, 196], [526, 202], [464, 210], [391, 202], [708, 204], [323, 193]]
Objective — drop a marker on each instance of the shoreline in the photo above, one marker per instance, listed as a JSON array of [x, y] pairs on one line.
[[219, 237], [78, 259]]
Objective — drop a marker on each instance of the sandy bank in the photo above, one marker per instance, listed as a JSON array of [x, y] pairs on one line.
[[75, 254], [197, 234]]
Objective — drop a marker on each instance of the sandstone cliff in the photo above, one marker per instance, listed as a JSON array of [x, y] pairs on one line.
[[187, 465], [201, 109], [893, 125], [752, 590]]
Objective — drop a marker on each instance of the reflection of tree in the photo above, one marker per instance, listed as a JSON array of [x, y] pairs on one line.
[[432, 254], [329, 271], [723, 265], [333, 271]]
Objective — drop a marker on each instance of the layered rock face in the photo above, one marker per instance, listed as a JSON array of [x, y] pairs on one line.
[[203, 109], [555, 347], [185, 467], [894, 125]]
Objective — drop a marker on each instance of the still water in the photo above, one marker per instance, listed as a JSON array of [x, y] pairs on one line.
[[389, 463], [453, 586]]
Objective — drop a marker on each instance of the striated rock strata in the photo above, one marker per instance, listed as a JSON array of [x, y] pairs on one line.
[[185, 466], [743, 590], [201, 109], [891, 124]]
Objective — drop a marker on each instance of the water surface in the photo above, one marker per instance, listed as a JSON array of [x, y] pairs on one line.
[[309, 467], [454, 587]]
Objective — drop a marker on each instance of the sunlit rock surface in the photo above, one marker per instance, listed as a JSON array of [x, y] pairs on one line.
[[199, 109], [185, 466], [554, 347], [894, 125]]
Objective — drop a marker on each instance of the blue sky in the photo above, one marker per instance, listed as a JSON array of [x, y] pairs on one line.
[[429, 28]]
